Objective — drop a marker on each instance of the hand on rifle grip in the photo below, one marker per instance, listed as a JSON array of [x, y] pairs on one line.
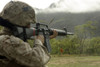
[[41, 38], [55, 33]]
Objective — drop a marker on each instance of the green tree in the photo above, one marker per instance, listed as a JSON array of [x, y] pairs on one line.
[[83, 32]]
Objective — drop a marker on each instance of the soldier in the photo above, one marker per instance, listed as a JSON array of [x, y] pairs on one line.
[[14, 52]]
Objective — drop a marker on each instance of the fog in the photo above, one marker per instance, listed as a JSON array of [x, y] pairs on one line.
[[61, 5], [74, 6]]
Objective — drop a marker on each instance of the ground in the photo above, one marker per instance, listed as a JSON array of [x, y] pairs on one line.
[[74, 61]]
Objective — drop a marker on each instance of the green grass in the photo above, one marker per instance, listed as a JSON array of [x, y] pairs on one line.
[[74, 61]]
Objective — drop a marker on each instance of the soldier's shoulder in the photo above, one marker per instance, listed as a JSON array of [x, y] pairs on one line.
[[6, 37], [10, 40]]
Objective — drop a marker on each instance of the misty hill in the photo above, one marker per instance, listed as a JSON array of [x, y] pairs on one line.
[[68, 20]]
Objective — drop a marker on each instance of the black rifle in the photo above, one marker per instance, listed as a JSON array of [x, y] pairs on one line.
[[39, 29]]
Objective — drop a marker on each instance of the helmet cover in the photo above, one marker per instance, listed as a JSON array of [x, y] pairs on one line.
[[18, 13]]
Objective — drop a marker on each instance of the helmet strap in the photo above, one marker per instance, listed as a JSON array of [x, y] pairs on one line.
[[24, 34]]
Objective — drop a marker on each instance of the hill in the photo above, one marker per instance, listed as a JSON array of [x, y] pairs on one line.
[[68, 20]]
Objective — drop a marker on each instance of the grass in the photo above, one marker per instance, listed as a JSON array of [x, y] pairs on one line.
[[74, 61]]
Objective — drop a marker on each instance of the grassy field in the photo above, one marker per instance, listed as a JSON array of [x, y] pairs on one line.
[[74, 61]]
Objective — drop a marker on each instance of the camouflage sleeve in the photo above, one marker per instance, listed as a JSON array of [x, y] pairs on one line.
[[15, 48]]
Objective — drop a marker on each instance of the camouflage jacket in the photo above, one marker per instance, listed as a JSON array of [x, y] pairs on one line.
[[20, 54]]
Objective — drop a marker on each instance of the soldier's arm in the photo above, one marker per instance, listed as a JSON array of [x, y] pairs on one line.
[[22, 52]]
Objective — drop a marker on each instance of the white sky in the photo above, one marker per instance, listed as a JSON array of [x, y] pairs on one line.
[[34, 3], [65, 5], [80, 5]]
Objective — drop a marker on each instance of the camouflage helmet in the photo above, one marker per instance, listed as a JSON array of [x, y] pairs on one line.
[[18, 13]]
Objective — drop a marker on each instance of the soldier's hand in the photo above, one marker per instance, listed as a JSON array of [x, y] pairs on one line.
[[41, 38], [55, 33]]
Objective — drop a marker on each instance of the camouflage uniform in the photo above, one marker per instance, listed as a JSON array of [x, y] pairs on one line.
[[19, 53], [14, 52], [18, 13]]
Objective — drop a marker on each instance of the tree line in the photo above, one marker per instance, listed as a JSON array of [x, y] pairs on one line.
[[84, 41]]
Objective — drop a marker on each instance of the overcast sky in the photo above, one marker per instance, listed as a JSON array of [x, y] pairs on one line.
[[69, 5], [34, 3]]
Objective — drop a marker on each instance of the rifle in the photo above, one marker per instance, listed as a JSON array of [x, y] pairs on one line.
[[28, 33]]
